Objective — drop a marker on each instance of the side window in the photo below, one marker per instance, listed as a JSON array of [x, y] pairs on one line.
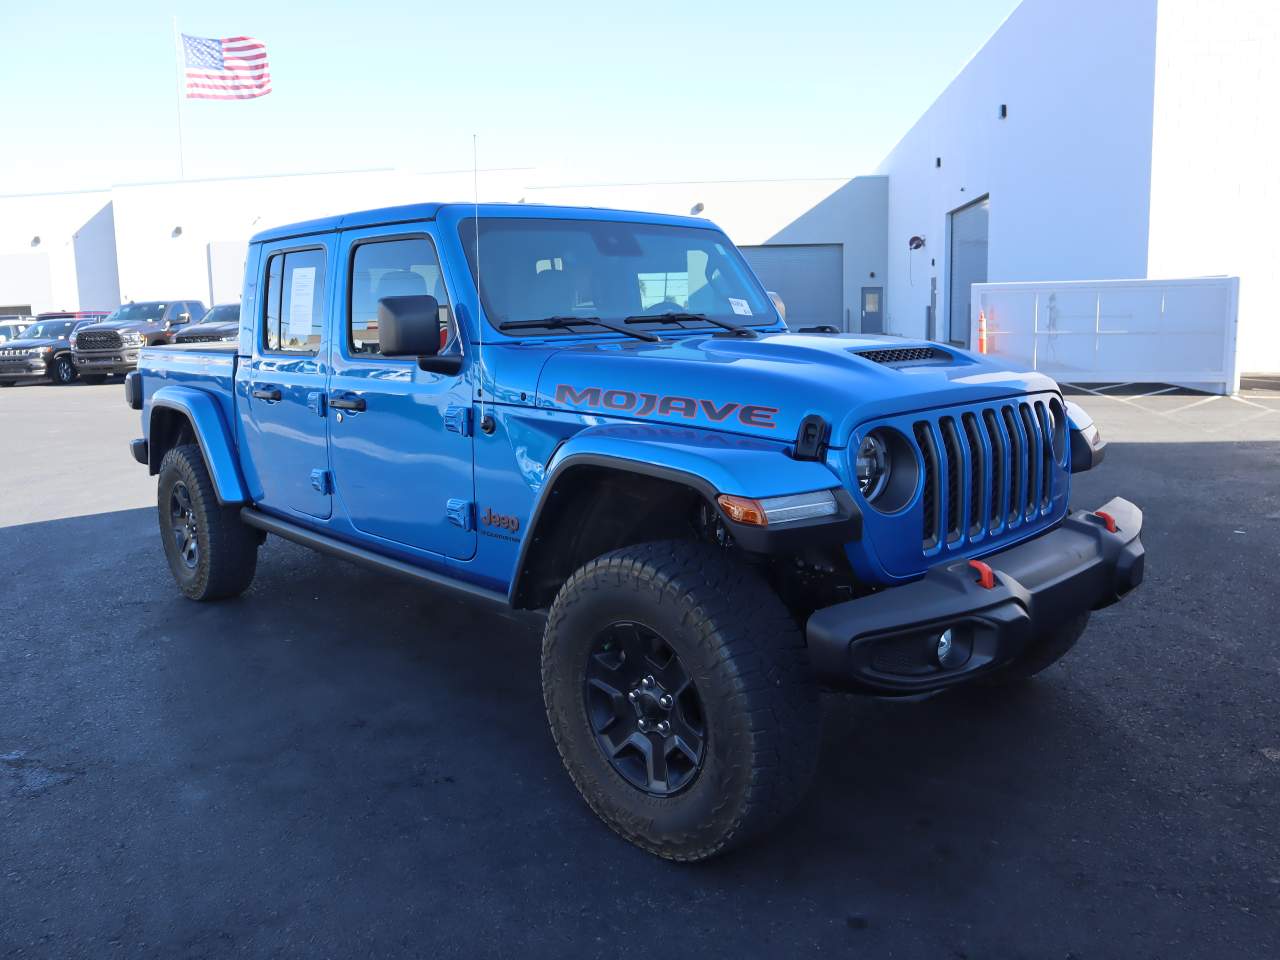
[[391, 268], [294, 305]]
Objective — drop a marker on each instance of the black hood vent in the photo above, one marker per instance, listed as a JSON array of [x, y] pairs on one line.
[[902, 356]]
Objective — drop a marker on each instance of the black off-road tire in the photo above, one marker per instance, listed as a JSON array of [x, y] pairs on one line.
[[748, 661], [1045, 650], [64, 370], [226, 548], [93, 379]]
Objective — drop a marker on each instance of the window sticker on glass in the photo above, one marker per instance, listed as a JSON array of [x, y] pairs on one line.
[[740, 307], [302, 288]]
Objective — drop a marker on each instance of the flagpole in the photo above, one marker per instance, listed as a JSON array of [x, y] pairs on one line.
[[177, 42]]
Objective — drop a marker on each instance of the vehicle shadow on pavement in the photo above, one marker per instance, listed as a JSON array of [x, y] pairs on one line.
[[367, 763]]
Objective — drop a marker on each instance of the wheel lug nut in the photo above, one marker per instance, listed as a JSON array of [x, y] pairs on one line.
[[665, 701], [664, 728], [648, 682]]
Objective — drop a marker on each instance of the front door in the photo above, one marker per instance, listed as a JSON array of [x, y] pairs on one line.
[[399, 436], [282, 384], [872, 310]]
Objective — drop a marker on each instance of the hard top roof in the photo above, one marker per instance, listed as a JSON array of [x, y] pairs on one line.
[[409, 213]]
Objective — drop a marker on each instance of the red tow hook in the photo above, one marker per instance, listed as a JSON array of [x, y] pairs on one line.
[[1108, 520], [986, 576]]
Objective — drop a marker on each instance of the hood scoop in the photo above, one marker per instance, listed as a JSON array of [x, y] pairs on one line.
[[906, 356]]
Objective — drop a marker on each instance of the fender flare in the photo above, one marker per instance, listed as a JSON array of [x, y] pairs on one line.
[[710, 464], [211, 432]]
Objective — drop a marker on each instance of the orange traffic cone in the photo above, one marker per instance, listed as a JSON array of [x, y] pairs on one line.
[[982, 331]]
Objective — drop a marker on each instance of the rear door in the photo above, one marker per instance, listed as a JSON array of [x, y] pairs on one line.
[[282, 383], [399, 436]]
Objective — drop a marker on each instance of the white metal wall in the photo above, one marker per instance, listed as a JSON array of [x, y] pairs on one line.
[[1068, 170], [1142, 331]]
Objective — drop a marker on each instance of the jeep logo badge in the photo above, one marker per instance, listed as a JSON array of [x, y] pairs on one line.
[[501, 521]]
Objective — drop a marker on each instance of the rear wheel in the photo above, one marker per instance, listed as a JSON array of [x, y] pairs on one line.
[[679, 695], [211, 552], [64, 371]]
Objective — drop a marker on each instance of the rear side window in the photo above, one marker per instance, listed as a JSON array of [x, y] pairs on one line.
[[391, 268], [294, 311]]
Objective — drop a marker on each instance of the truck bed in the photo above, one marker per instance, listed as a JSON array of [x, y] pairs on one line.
[[207, 367]]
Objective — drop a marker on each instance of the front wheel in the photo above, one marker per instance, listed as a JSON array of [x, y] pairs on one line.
[[211, 552], [679, 695], [64, 371]]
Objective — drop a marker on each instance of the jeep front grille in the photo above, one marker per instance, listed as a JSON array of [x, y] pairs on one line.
[[988, 470], [99, 340]]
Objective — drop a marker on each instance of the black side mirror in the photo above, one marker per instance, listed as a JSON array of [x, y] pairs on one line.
[[410, 327]]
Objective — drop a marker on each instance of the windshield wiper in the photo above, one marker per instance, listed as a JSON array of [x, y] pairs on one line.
[[560, 322], [736, 329]]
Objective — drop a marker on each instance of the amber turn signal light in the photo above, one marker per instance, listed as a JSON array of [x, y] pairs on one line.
[[743, 510]]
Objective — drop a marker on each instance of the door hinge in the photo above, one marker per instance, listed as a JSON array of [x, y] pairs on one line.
[[316, 402], [457, 419], [461, 514], [321, 481]]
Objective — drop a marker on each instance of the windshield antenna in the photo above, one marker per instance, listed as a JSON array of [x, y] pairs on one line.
[[475, 195]]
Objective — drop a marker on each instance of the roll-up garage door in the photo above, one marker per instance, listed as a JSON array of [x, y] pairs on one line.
[[808, 277]]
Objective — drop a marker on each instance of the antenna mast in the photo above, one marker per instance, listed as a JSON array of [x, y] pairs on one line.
[[475, 195]]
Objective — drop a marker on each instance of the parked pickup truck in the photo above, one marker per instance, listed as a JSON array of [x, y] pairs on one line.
[[111, 346], [600, 415]]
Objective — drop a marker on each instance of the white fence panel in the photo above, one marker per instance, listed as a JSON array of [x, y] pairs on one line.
[[1107, 331]]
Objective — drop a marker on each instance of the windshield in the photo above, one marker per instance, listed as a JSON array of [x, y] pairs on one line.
[[10, 331], [49, 330], [138, 313], [223, 313], [536, 269]]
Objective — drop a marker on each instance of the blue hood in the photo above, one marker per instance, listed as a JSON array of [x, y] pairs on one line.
[[767, 386]]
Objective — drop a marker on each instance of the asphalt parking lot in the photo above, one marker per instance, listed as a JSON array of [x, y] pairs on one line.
[[340, 765]]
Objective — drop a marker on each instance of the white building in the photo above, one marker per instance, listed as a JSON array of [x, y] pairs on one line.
[[1087, 140]]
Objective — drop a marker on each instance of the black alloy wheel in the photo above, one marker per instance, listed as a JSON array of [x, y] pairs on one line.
[[182, 524], [644, 709], [64, 371]]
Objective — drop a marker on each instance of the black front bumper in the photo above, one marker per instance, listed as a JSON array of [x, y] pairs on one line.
[[888, 643]]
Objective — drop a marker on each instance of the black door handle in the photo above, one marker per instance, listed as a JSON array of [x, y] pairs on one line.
[[347, 403], [270, 393]]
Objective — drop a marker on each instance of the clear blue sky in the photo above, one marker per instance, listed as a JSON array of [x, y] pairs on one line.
[[597, 92]]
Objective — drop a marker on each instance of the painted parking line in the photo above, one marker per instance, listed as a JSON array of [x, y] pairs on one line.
[[1195, 403], [1248, 402]]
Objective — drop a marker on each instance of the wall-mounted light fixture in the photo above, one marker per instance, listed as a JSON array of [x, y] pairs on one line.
[[177, 232], [35, 241], [1004, 110], [937, 161], [697, 209]]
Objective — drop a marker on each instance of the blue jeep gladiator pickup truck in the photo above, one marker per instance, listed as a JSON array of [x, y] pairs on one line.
[[601, 415]]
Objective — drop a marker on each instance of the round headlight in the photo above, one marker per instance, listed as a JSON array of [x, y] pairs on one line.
[[872, 467]]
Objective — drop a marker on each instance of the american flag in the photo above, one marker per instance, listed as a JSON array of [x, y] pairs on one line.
[[233, 68]]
